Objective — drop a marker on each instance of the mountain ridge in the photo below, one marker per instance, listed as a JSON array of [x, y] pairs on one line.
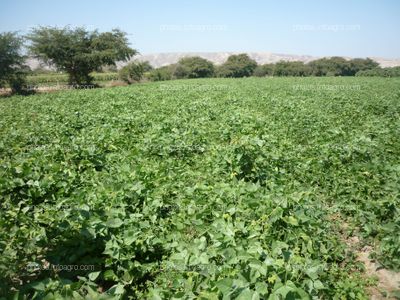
[[166, 58]]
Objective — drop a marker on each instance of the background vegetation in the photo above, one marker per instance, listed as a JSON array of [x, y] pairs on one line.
[[85, 58]]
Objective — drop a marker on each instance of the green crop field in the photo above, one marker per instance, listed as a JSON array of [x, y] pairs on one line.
[[253, 188], [57, 79]]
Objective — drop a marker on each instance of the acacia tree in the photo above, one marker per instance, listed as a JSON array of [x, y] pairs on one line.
[[240, 65], [79, 52], [361, 64], [194, 67], [12, 67], [333, 66]]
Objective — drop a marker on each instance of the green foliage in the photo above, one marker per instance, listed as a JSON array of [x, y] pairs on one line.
[[360, 64], [132, 72], [147, 67], [12, 68], [264, 70], [338, 66], [380, 72], [79, 52], [240, 65], [334, 66], [162, 73], [177, 193], [194, 67], [291, 68], [53, 79], [109, 69]]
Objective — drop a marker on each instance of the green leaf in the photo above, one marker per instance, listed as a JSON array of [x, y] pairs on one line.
[[247, 294], [93, 276], [114, 223], [110, 275], [117, 289], [225, 285], [38, 286], [318, 285], [312, 272], [261, 288], [291, 220]]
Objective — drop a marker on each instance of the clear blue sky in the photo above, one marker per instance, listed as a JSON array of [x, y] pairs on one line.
[[356, 28]]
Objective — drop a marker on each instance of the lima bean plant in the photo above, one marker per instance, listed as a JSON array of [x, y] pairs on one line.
[[200, 189]]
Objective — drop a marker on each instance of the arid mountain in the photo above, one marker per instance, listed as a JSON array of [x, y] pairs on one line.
[[163, 59]]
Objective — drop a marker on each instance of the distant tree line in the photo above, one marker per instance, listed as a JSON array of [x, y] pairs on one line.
[[241, 65], [79, 52], [381, 72]]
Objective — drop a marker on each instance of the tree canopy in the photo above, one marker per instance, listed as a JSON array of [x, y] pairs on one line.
[[194, 67], [338, 66], [264, 70], [79, 51], [240, 65], [12, 67], [291, 68], [133, 72]]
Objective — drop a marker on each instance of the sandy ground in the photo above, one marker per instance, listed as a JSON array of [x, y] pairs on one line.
[[388, 281]]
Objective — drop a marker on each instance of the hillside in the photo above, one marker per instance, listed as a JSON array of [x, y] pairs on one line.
[[163, 59]]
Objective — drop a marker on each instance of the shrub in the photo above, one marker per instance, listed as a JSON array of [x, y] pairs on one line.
[[381, 72], [264, 70], [240, 65], [194, 67], [360, 64], [162, 73], [147, 67], [132, 72], [333, 66], [291, 68]]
